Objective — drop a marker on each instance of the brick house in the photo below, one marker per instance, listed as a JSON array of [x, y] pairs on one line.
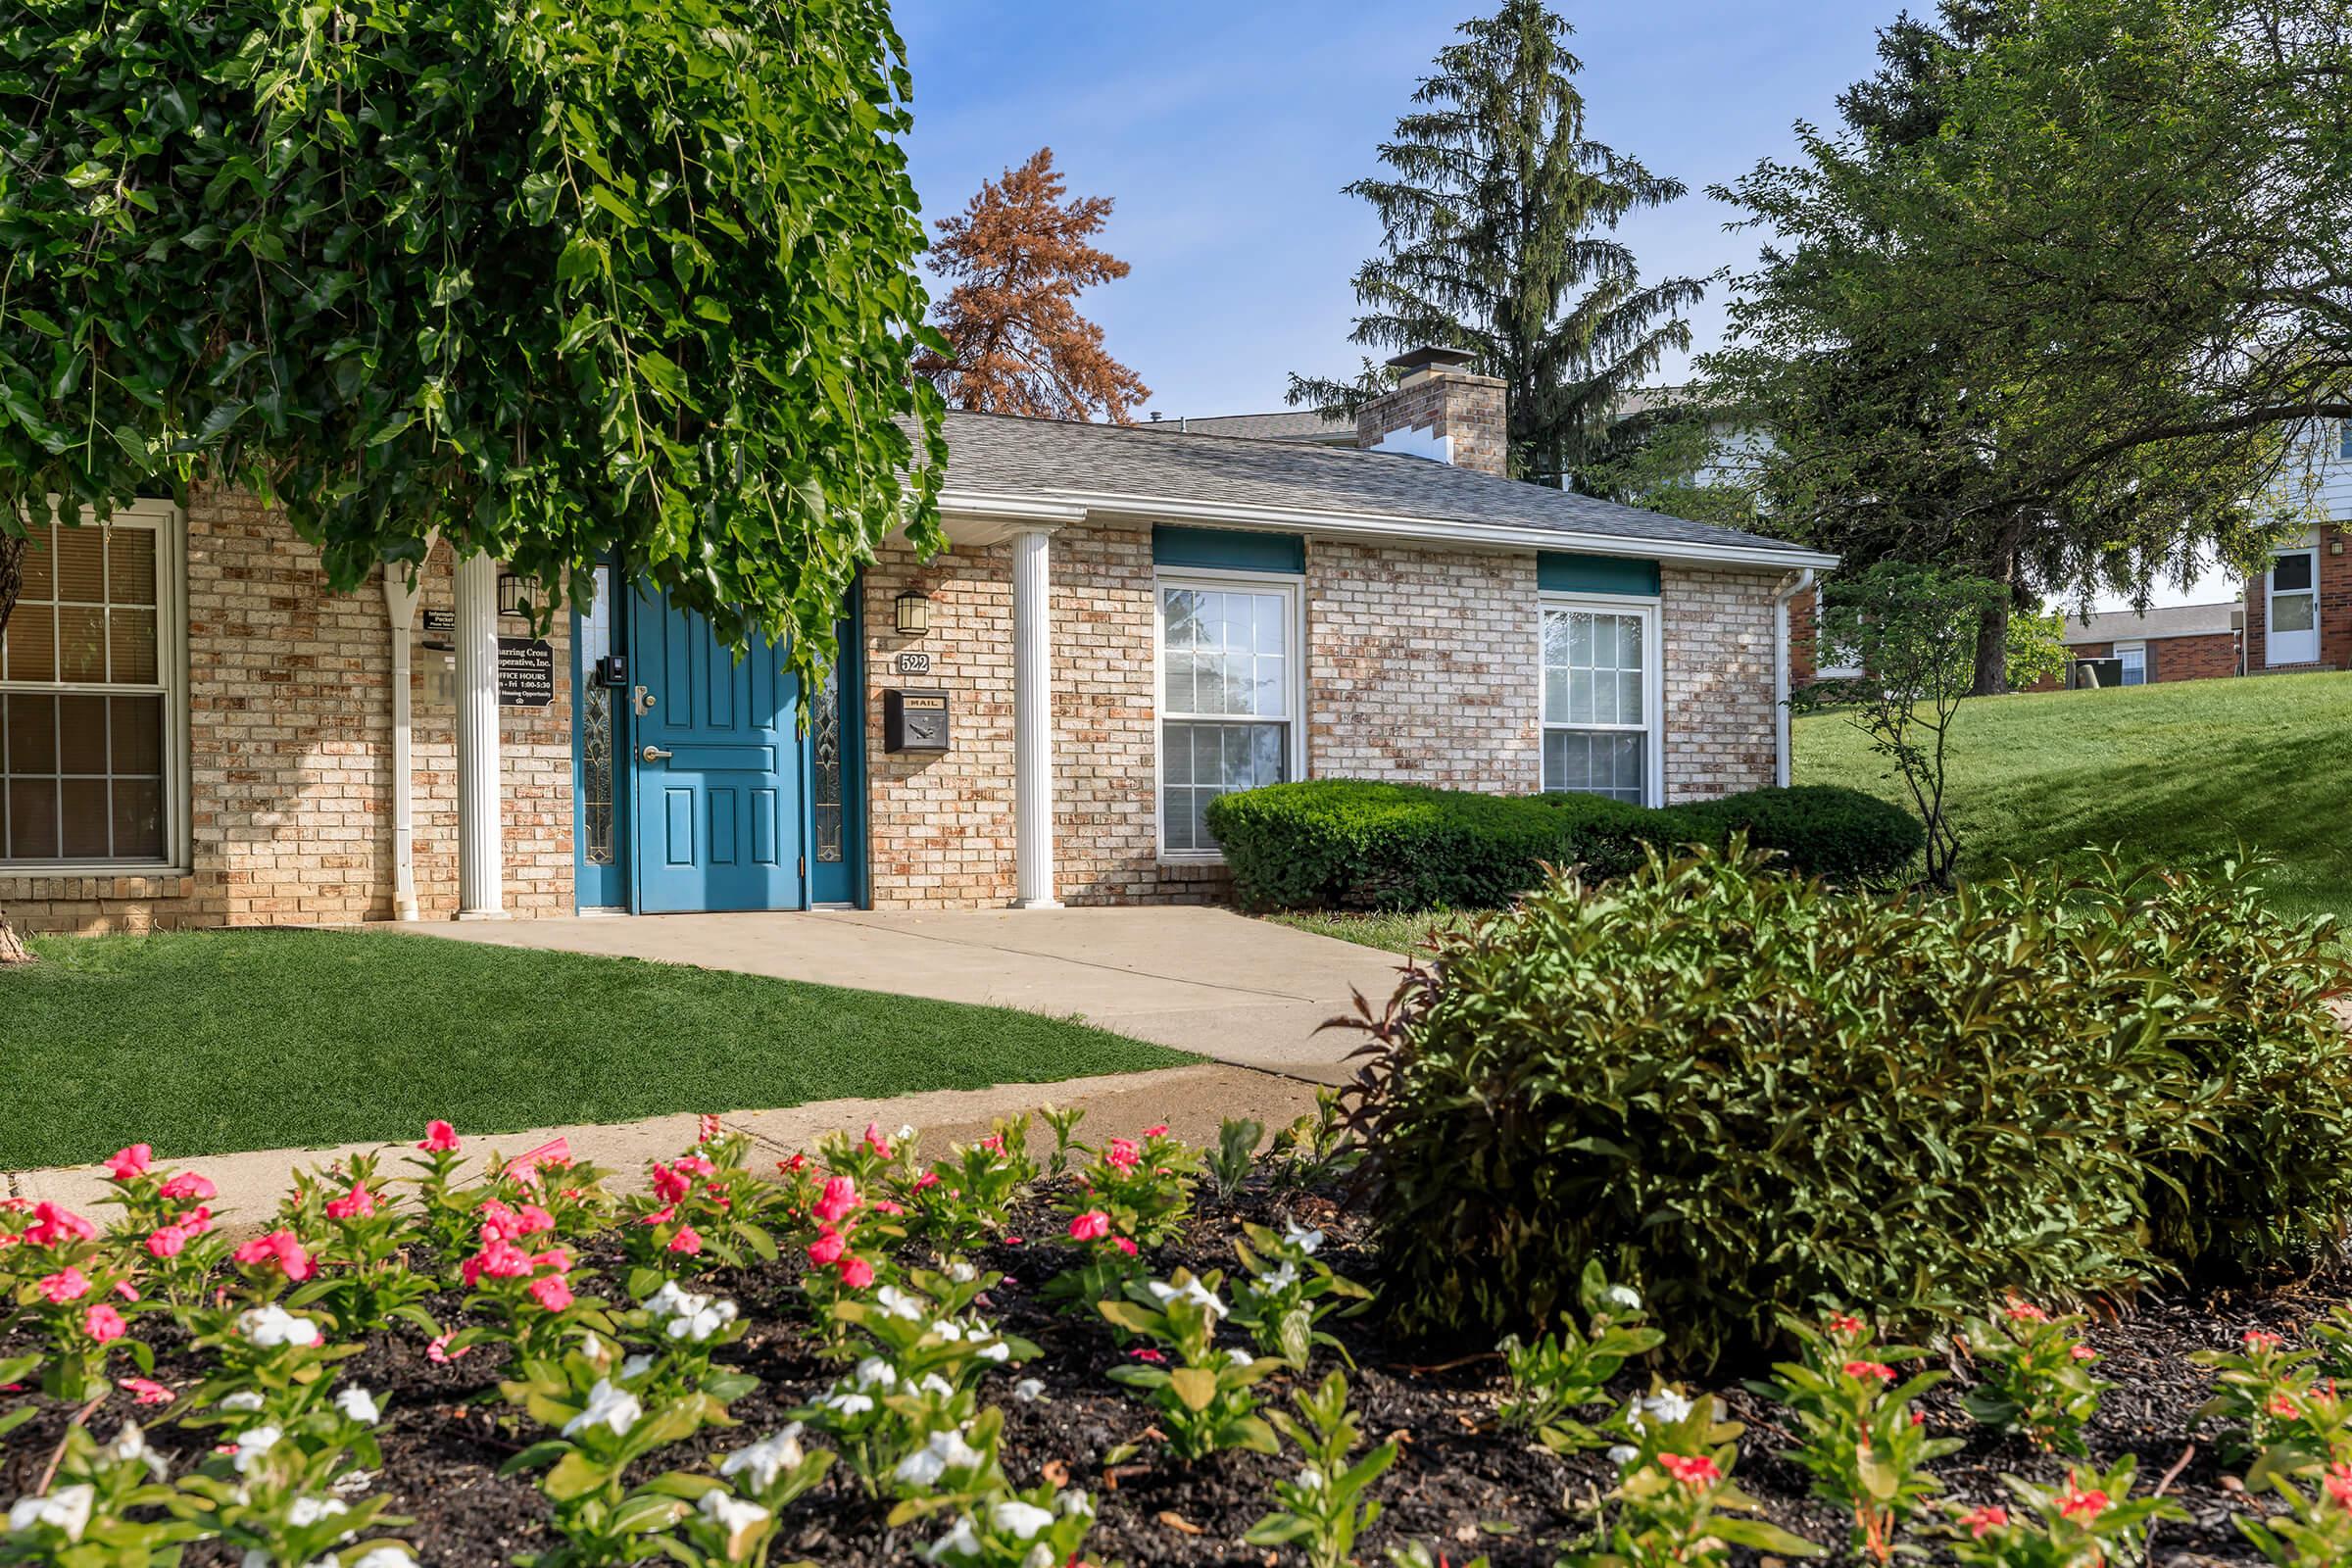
[[1130, 621], [2299, 612], [2169, 643]]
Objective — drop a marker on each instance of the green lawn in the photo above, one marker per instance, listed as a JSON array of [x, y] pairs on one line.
[[2179, 775], [1401, 931], [205, 1042]]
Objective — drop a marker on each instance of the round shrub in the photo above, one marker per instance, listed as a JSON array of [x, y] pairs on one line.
[[1823, 830], [1750, 1097]]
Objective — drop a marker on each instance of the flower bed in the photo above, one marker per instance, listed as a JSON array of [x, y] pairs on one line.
[[1123, 1351]]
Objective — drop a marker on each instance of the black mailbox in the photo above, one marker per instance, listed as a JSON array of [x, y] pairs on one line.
[[914, 721]]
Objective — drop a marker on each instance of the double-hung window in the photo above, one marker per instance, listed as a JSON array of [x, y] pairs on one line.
[[2133, 659], [1600, 698], [1229, 689], [90, 699]]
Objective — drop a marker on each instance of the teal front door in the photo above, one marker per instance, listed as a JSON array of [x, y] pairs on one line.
[[718, 818]]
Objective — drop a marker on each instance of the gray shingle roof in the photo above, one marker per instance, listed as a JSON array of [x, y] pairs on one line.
[[2170, 621], [1001, 455], [1292, 424]]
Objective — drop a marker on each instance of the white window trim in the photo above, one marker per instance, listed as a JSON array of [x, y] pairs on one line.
[[170, 525], [1653, 682], [2308, 544], [1293, 588], [2120, 650]]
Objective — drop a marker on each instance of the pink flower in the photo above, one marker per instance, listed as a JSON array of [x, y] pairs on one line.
[[2282, 1406], [440, 1138], [1123, 1245], [1690, 1471], [926, 1181], [358, 1204], [554, 1257], [66, 1285], [104, 1323], [2080, 1505], [1161, 1131], [686, 1241], [531, 1219], [1870, 1369], [196, 1221], [281, 1247], [186, 1185], [52, 1225], [2084, 1352], [1123, 1153], [695, 1165], [661, 1216], [827, 1247], [1091, 1226], [146, 1391], [2255, 1341], [856, 1273], [128, 1162], [883, 1206], [706, 1128], [440, 1355], [498, 1260], [669, 1183], [125, 1289], [2339, 1484], [875, 1141], [838, 1198], [793, 1167], [1846, 1323], [2026, 1312], [551, 1293], [1148, 1355], [1988, 1518], [1013, 1241]]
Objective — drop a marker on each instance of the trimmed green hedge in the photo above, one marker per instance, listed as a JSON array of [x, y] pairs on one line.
[[1351, 844]]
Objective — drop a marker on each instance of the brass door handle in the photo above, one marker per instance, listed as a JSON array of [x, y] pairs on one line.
[[655, 754]]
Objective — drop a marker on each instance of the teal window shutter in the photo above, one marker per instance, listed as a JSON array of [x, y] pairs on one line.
[[1560, 573], [1227, 550]]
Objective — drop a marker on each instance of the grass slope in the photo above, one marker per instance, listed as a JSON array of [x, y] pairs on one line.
[[2176, 774], [212, 1042]]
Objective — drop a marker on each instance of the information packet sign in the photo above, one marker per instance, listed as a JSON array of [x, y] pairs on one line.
[[527, 672]]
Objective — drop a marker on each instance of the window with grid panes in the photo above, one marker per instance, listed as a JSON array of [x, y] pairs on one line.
[[1227, 701]]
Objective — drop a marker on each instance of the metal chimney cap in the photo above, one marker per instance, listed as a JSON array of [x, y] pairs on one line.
[[1431, 356]]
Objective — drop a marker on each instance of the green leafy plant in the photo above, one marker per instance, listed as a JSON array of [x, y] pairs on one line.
[[1323, 1508], [2315, 1531], [966, 1199], [2273, 1407], [2091, 1519], [1236, 1151], [1205, 1400], [106, 1507], [1562, 1373], [365, 1282], [1064, 1123], [2034, 1376], [1290, 1292], [1144, 1185], [1017, 1530], [1863, 1441], [1315, 1149], [1675, 1505]]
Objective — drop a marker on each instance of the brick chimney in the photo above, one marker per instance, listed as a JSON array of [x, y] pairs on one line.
[[1439, 410]]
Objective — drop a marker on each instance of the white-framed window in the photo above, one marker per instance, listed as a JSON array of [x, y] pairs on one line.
[[1231, 696], [93, 704], [1601, 699], [2343, 440], [2133, 659], [1830, 662]]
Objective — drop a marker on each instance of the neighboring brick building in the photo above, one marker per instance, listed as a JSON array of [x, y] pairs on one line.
[[2176, 642], [1130, 621], [2299, 613]]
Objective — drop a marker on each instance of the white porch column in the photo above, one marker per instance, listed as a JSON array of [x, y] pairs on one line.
[[481, 838], [400, 606], [1032, 721]]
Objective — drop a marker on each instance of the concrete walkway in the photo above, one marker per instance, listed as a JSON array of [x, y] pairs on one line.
[[1237, 990], [1192, 1100]]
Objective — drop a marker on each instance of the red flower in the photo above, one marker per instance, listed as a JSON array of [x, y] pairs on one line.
[[926, 1181], [1161, 1131], [2084, 1352], [1123, 1245], [883, 1206], [147, 1391], [1870, 1369], [793, 1167], [2080, 1505], [52, 1225], [2026, 1312], [188, 1184], [551, 1293], [359, 1202], [2282, 1406], [875, 1141], [856, 1273], [1148, 1355], [686, 1241], [1846, 1323], [2339, 1484], [1690, 1471], [282, 1249], [1123, 1153], [1980, 1520], [827, 1247], [669, 1183], [440, 1138], [1091, 1226], [838, 1198], [2258, 1341], [125, 1163], [104, 1323], [706, 1128]]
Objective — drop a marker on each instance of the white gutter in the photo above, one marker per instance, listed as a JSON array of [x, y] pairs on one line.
[[1074, 507], [1789, 587], [400, 605]]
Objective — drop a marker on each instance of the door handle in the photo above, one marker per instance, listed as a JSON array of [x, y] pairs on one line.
[[655, 754]]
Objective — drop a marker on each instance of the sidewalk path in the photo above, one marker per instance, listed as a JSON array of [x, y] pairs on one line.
[[1192, 1100]]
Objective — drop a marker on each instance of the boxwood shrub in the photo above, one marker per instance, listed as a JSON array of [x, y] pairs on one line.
[[1750, 1097], [1354, 844]]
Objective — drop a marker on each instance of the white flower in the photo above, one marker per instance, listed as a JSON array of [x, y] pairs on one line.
[[961, 1541], [309, 1511], [997, 1352], [385, 1557], [1028, 1390], [1667, 1404], [962, 1273], [874, 1370], [1296, 1234], [1310, 1477], [946, 1328], [1624, 1298], [1624, 1454], [352, 1483], [1076, 1502], [671, 1301], [67, 1508], [635, 1367], [1240, 1359], [733, 1515], [273, 1325], [130, 1446], [906, 1131], [1189, 1291], [766, 1459], [947, 1450], [848, 1403], [1022, 1519], [1039, 1556], [242, 1400], [591, 1347], [358, 1404], [252, 1445], [898, 1303], [934, 1384], [608, 1406], [1274, 1281], [703, 1322]]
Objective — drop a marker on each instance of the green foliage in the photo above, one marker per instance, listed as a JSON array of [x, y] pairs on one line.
[[1564, 1372], [550, 281], [1861, 1440], [1674, 1505], [1758, 1098], [2315, 1533], [1352, 844], [2092, 1518], [2034, 1376], [1206, 1398], [1290, 1291], [2262, 1395], [1323, 1507], [1228, 1165]]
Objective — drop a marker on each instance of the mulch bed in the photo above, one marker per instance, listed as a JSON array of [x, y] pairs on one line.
[[1459, 1485]]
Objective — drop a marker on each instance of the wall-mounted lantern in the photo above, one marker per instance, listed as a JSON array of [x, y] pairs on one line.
[[913, 613], [512, 594]]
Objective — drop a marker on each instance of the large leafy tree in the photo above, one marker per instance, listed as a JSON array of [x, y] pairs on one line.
[[2062, 301], [1499, 216], [1017, 257], [551, 281]]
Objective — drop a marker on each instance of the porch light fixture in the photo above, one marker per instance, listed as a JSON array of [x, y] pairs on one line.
[[913, 614], [511, 592]]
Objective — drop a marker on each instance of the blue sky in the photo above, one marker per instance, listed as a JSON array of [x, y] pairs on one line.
[[1224, 131]]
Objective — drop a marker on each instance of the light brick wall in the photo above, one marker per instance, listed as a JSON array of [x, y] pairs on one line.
[[1468, 409], [289, 709], [1717, 627], [1422, 666]]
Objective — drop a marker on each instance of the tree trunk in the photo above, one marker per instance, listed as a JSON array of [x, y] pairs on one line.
[[11, 583], [1992, 632]]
